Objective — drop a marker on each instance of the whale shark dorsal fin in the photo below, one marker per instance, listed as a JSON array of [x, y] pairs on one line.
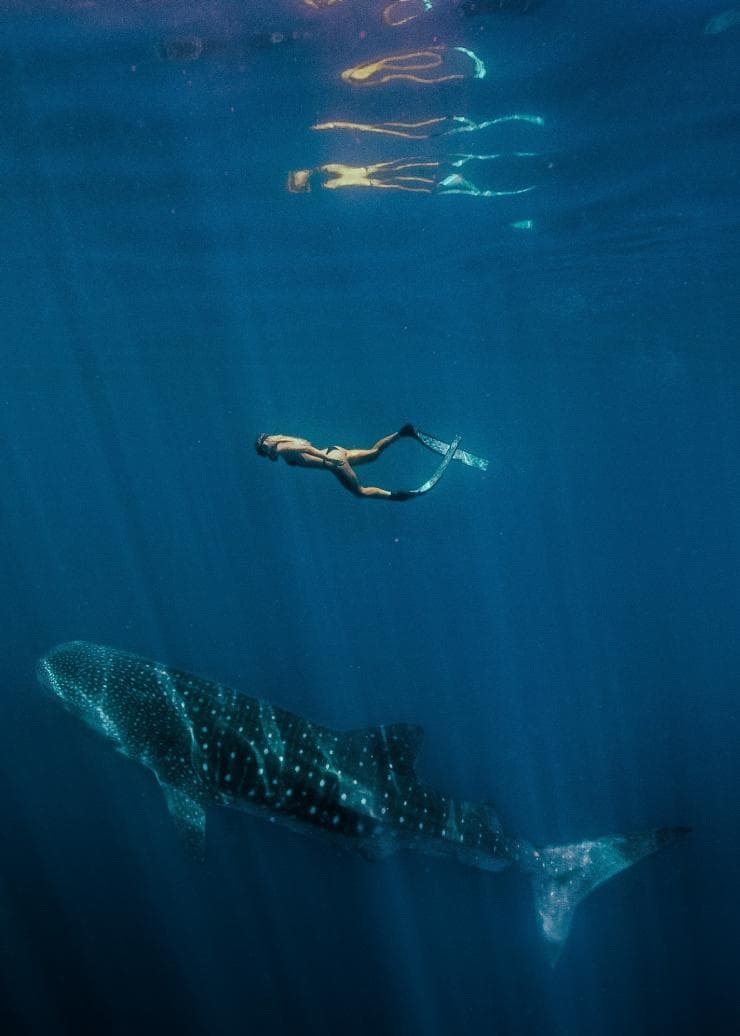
[[404, 742], [399, 743], [189, 819]]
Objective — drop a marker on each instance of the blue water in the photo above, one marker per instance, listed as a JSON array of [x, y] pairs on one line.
[[564, 627]]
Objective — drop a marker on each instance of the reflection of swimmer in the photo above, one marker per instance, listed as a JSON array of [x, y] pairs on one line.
[[399, 175], [471, 8], [409, 130], [416, 175], [337, 459], [398, 12], [439, 126], [438, 64], [401, 12]]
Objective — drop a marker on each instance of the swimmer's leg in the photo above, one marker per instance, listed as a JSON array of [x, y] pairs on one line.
[[366, 456], [350, 481]]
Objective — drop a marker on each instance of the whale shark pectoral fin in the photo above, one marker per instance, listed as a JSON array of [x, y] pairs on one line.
[[190, 821], [566, 874], [404, 740]]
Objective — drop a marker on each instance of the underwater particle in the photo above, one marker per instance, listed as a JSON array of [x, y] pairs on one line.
[[723, 21], [181, 48]]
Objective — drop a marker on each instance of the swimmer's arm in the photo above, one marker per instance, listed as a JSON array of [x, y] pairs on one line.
[[304, 458], [308, 456], [298, 448], [290, 453], [313, 456], [314, 451]]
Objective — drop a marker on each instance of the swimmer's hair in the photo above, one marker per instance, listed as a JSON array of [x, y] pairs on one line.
[[259, 445]]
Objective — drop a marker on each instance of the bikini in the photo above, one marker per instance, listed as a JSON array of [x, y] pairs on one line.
[[327, 450]]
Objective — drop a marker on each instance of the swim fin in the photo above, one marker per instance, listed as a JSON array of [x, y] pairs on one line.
[[442, 447], [407, 494]]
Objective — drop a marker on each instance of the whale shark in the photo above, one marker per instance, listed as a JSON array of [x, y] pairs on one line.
[[210, 745]]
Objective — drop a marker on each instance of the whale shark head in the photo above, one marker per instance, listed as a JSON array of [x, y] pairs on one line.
[[130, 701], [73, 673], [79, 675]]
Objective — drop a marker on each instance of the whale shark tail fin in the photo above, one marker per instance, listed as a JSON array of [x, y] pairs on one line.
[[566, 874]]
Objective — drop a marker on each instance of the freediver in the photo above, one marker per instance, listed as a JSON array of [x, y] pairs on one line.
[[302, 453]]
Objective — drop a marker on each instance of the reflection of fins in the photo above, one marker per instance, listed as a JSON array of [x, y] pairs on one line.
[[568, 873], [442, 447]]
